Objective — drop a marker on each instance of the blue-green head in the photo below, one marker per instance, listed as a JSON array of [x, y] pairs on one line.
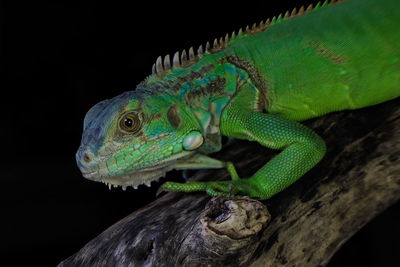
[[136, 137]]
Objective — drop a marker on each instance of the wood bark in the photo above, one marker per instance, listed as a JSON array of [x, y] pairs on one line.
[[358, 178]]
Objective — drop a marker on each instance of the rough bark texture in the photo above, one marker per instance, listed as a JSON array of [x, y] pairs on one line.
[[358, 179]]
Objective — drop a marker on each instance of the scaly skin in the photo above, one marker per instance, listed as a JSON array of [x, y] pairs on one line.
[[255, 86]]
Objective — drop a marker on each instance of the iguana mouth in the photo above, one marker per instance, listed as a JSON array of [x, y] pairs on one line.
[[138, 177]]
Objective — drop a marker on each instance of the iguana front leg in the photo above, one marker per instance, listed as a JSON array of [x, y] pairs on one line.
[[302, 149]]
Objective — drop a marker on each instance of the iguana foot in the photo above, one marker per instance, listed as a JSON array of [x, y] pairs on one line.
[[234, 188]]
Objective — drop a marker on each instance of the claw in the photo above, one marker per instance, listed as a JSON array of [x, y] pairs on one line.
[[160, 190]]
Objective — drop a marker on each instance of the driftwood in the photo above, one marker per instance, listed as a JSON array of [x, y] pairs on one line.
[[358, 179]]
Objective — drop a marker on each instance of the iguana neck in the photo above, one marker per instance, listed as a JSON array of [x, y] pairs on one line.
[[205, 89]]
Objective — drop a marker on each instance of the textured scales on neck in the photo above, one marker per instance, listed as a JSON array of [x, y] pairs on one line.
[[204, 89]]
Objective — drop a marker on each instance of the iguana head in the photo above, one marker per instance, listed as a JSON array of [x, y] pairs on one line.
[[171, 117], [136, 137]]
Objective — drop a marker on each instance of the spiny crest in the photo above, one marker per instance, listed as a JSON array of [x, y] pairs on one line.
[[182, 60]]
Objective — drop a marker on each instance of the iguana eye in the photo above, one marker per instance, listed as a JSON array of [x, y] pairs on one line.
[[130, 122]]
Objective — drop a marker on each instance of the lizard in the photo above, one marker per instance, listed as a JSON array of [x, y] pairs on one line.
[[256, 84]]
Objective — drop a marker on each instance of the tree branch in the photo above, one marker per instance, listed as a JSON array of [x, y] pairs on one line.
[[358, 178]]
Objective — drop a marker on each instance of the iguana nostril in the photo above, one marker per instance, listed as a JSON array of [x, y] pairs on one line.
[[86, 157]]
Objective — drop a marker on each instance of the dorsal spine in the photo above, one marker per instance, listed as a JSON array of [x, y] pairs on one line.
[[162, 66]]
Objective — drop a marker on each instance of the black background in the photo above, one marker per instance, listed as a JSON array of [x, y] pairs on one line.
[[61, 58]]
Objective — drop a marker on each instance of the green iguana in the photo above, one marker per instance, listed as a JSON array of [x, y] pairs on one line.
[[256, 85]]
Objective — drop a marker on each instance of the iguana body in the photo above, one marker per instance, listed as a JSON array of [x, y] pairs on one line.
[[254, 86]]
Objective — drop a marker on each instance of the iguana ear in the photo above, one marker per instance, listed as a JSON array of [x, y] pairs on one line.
[[173, 116]]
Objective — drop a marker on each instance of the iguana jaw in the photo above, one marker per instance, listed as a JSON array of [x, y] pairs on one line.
[[138, 177]]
